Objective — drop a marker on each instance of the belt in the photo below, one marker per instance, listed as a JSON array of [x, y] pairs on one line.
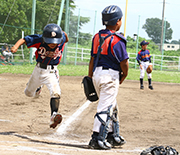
[[45, 66], [105, 68]]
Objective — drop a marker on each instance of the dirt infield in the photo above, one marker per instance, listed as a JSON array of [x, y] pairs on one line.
[[146, 118]]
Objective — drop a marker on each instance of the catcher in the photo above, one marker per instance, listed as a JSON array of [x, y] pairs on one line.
[[104, 68], [144, 60]]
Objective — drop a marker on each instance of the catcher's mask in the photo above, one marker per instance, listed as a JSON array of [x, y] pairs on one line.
[[111, 14], [52, 34]]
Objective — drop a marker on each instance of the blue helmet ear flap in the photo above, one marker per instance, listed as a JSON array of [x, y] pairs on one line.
[[111, 14]]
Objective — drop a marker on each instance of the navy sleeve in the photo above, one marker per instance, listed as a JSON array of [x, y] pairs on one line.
[[32, 39], [120, 51]]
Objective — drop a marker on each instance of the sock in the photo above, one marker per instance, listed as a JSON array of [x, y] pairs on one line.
[[54, 104], [149, 80], [141, 82]]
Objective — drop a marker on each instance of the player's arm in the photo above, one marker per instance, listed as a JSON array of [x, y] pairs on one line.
[[16, 46], [124, 67], [91, 65], [139, 63], [67, 39], [138, 60]]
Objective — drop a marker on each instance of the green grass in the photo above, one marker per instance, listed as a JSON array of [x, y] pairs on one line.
[[72, 70]]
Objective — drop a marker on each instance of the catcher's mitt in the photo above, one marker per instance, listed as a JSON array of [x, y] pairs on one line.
[[159, 150], [149, 69], [89, 89]]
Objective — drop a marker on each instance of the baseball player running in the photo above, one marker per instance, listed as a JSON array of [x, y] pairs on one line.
[[112, 60], [144, 60], [49, 46]]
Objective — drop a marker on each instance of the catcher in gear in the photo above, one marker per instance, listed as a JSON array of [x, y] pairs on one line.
[[104, 68], [144, 60], [49, 47]]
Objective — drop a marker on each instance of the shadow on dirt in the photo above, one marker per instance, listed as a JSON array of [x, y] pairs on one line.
[[43, 142]]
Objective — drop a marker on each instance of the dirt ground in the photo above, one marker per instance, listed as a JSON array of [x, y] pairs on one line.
[[146, 118]]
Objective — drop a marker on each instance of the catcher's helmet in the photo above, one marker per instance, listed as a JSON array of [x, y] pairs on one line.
[[111, 14], [52, 34]]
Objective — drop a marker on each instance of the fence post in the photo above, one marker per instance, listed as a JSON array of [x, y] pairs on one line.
[[82, 54], [179, 64], [137, 41], [162, 50], [153, 60], [77, 37], [33, 25]]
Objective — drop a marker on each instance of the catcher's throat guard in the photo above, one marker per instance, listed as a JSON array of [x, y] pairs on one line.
[[89, 89]]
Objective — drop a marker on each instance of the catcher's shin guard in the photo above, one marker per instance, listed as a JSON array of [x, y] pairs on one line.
[[114, 138], [54, 104], [104, 129]]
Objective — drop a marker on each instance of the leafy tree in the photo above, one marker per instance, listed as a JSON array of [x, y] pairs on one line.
[[83, 38], [47, 11], [131, 45], [153, 28], [17, 17], [175, 42]]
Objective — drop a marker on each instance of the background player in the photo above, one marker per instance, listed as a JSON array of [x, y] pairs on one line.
[[6, 52], [113, 58], [144, 60], [49, 46]]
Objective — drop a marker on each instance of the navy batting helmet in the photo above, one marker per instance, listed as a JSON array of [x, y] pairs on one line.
[[52, 34], [111, 14]]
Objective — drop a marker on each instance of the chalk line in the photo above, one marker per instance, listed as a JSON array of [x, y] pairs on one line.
[[24, 148], [73, 117]]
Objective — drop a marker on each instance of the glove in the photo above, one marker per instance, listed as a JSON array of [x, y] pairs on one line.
[[149, 69], [89, 89], [159, 150]]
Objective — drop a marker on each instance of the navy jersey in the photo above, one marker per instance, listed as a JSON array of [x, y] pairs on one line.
[[143, 55], [44, 52], [113, 50]]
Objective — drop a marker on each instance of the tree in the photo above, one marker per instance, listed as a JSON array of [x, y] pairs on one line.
[[175, 42], [17, 18], [153, 28], [47, 11], [83, 38]]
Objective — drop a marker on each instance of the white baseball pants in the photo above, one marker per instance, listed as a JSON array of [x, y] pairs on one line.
[[143, 70], [106, 83], [48, 77]]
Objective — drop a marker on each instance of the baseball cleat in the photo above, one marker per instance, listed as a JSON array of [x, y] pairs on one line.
[[141, 87], [93, 144], [55, 120], [100, 145], [116, 141], [151, 87]]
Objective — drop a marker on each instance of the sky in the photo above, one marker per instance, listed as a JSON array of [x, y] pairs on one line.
[[137, 13]]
